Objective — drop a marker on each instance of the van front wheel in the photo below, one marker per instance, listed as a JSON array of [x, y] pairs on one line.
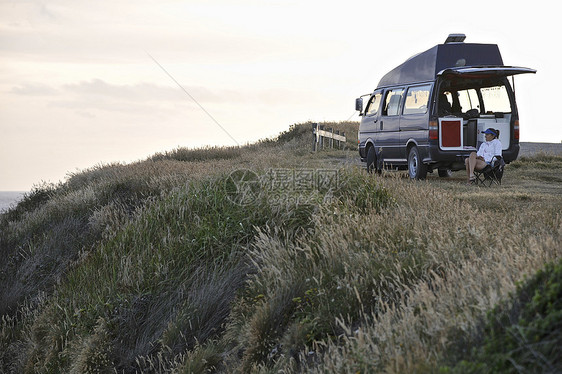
[[416, 168], [371, 160]]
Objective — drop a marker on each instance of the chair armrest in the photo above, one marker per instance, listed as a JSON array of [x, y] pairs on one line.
[[497, 160]]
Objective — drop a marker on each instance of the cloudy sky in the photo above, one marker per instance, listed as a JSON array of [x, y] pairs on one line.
[[82, 82]]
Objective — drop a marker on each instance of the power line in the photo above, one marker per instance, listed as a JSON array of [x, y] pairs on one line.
[[192, 98]]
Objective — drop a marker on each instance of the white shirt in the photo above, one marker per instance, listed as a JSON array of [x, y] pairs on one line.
[[490, 149]]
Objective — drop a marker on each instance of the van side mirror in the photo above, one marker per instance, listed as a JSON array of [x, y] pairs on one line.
[[359, 105]]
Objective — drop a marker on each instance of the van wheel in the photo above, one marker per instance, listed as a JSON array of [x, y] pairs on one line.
[[416, 168], [445, 173], [371, 160]]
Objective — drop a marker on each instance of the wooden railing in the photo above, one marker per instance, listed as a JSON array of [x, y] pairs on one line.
[[326, 137]]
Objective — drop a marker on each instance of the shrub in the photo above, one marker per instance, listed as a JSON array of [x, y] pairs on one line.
[[524, 333], [30, 201]]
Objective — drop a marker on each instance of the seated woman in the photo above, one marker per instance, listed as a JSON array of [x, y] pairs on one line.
[[478, 161]]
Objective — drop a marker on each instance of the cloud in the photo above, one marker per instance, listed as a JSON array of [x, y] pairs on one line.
[[142, 99], [193, 32], [140, 92], [34, 89], [88, 98]]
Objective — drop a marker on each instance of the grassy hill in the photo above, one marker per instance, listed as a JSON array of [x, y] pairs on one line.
[[269, 258]]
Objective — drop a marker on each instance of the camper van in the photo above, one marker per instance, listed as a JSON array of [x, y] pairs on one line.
[[430, 112]]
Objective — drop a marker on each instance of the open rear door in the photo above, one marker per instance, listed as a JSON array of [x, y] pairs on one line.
[[483, 72], [451, 131]]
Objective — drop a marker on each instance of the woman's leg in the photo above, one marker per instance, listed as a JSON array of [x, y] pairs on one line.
[[473, 163], [470, 164], [480, 164]]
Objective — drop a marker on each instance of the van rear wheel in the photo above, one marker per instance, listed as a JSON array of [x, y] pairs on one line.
[[416, 168]]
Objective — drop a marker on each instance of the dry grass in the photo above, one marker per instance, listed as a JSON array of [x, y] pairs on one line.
[[152, 267], [414, 278]]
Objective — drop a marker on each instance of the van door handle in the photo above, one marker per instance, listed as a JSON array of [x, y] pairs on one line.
[[381, 124]]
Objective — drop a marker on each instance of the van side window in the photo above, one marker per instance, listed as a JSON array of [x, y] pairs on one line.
[[392, 102], [374, 104], [417, 99]]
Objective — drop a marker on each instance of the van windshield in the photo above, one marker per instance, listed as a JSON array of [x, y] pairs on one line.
[[374, 104]]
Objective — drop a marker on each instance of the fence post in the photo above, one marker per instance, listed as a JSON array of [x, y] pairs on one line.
[[319, 135], [314, 136]]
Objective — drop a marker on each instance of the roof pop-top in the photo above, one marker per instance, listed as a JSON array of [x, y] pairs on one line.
[[424, 66]]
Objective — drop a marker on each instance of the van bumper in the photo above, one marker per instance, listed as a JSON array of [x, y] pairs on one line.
[[454, 160]]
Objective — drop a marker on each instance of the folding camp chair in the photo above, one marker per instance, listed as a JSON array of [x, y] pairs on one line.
[[492, 173]]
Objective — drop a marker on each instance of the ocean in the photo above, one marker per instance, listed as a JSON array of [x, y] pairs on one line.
[[9, 198]]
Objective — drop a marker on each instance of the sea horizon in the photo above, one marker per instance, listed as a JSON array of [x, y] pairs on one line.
[[9, 199]]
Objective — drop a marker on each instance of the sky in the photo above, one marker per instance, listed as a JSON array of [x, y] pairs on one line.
[[84, 83]]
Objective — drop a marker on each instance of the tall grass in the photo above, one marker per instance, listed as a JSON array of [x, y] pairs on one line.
[[155, 267], [391, 290]]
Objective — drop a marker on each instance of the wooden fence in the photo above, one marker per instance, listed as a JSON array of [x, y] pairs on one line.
[[326, 137]]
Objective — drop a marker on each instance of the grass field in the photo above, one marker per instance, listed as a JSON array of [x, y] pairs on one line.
[[270, 258]]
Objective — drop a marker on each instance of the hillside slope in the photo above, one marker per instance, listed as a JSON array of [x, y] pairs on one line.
[[268, 257]]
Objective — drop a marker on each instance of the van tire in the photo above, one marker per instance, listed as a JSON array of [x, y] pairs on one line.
[[416, 168], [371, 160]]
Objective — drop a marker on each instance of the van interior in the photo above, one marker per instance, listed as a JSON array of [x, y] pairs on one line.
[[476, 105]]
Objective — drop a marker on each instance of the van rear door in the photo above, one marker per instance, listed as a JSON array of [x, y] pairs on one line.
[[496, 104], [485, 72]]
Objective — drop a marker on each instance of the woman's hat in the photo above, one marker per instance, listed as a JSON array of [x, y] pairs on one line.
[[490, 131]]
